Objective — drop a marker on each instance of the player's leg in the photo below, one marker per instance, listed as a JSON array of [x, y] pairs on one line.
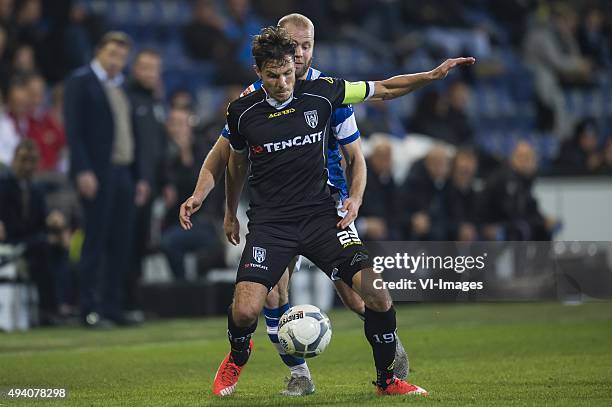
[[381, 332], [249, 298], [299, 383], [353, 301], [342, 255], [263, 262]]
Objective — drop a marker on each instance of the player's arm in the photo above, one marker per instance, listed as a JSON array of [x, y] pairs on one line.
[[403, 84], [234, 181], [394, 87], [235, 175], [212, 169], [357, 176]]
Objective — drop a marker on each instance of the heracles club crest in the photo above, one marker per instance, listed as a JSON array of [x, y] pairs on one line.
[[312, 118]]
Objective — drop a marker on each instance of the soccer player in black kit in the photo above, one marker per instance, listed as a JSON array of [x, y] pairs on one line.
[[279, 133]]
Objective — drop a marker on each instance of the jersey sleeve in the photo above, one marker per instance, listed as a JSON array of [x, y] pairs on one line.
[[344, 125], [341, 92], [237, 141]]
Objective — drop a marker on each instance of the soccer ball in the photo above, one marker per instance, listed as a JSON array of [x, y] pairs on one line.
[[304, 331]]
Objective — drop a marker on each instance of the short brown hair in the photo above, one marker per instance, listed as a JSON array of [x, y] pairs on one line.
[[272, 44], [117, 37]]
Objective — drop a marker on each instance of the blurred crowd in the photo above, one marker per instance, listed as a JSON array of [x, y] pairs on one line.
[[96, 153]]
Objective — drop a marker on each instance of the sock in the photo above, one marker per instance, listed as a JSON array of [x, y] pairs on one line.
[[361, 315], [240, 338], [380, 330], [297, 365]]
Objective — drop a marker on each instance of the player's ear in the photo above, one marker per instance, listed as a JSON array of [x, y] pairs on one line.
[[257, 71]]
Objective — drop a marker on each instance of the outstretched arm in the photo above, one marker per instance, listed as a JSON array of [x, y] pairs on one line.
[[234, 181], [212, 169], [403, 84]]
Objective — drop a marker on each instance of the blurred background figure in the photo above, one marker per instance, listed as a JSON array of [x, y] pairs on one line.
[[44, 235], [462, 196], [424, 198], [44, 126], [552, 52], [508, 210], [379, 209], [580, 154], [184, 163], [144, 90], [105, 168], [445, 117]]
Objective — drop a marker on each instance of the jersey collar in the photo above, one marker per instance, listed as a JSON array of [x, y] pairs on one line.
[[275, 103]]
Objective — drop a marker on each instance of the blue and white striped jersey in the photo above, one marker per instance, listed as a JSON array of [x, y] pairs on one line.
[[344, 129]]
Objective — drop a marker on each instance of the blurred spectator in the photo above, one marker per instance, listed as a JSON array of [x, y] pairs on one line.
[[183, 169], [378, 212], [18, 102], [144, 91], [209, 37], [424, 198], [83, 30], [552, 53], [444, 117], [181, 99], [9, 138], [104, 165], [241, 25], [593, 38], [203, 35], [43, 128], [6, 12], [508, 210], [29, 27], [23, 59], [26, 221], [580, 154], [462, 197]]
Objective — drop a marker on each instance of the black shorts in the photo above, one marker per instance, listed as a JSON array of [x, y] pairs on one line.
[[270, 247]]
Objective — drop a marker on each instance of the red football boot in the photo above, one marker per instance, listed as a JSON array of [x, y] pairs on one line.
[[227, 375], [399, 387]]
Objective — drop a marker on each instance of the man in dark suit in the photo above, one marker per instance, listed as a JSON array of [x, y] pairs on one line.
[[105, 167]]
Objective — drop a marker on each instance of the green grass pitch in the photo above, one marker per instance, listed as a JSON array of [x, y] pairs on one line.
[[470, 354]]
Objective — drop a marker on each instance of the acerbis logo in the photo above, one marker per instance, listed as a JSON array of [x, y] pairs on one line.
[[281, 113]]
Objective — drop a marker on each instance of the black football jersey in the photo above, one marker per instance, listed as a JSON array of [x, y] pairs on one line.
[[286, 147]]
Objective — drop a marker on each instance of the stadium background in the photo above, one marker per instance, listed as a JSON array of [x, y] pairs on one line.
[[527, 353], [511, 95]]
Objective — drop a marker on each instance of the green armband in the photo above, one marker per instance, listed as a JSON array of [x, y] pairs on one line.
[[354, 92]]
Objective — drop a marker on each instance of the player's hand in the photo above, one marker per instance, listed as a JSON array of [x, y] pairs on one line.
[[231, 227], [351, 207], [445, 67], [188, 208]]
